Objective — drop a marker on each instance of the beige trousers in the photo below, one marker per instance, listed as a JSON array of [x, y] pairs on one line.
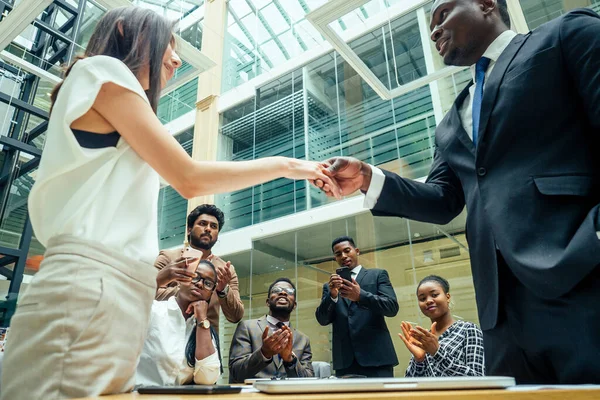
[[80, 326]]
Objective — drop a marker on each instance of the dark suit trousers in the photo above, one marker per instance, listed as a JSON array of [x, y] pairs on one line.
[[540, 341], [385, 371]]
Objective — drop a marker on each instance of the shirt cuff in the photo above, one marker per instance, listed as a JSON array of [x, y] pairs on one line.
[[598, 234], [207, 370], [335, 299], [265, 359], [375, 188]]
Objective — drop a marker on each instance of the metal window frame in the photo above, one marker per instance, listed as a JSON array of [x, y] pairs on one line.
[[333, 10], [19, 18]]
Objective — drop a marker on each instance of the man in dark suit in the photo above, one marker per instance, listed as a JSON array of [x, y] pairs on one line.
[[361, 341], [519, 148], [268, 347]]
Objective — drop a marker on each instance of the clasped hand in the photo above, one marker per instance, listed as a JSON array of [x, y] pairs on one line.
[[350, 174], [419, 341]]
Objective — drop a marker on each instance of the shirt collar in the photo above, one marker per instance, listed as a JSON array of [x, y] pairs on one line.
[[497, 47], [356, 270], [172, 304], [274, 321]]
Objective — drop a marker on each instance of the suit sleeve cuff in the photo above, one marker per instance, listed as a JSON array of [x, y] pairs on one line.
[[375, 188]]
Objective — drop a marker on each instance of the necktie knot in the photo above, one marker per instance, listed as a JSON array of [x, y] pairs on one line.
[[482, 66], [280, 325]]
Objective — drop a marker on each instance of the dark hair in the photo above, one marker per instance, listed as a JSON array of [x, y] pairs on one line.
[[211, 265], [435, 278], [209, 209], [343, 239], [134, 35], [280, 280], [190, 347], [503, 8]]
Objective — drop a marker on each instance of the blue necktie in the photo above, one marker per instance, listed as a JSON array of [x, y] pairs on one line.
[[480, 69]]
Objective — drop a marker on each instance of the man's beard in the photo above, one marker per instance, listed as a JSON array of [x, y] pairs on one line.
[[277, 309], [199, 244]]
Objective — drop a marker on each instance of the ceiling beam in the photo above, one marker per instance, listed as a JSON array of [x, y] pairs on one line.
[[19, 18], [29, 67]]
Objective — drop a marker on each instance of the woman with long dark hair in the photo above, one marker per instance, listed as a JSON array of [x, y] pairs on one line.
[[450, 347], [79, 327], [182, 347]]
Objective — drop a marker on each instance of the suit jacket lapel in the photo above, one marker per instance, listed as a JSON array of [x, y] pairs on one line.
[[361, 275], [492, 85], [455, 123]]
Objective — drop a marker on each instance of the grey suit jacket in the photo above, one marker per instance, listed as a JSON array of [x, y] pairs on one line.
[[246, 361]]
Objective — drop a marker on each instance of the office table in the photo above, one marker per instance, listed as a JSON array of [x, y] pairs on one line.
[[545, 394]]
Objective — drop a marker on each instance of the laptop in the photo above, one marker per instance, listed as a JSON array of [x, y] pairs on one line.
[[251, 381], [384, 384]]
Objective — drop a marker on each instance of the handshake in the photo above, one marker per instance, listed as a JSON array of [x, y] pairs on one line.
[[343, 176]]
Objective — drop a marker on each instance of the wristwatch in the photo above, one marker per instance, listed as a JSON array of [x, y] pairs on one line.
[[204, 324], [292, 363], [224, 293]]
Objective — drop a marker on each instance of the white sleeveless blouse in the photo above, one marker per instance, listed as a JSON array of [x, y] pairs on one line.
[[106, 195]]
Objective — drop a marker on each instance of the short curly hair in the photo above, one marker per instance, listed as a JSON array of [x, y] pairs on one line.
[[209, 209]]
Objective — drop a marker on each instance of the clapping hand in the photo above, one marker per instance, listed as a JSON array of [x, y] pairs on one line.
[[275, 343], [286, 351], [426, 340], [410, 342], [223, 271]]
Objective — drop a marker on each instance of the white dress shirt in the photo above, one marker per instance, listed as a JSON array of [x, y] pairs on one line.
[[354, 272], [163, 360], [493, 52]]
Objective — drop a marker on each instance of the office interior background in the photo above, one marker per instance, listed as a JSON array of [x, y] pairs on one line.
[[277, 87]]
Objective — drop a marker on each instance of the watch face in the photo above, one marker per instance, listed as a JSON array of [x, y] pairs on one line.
[[205, 324]]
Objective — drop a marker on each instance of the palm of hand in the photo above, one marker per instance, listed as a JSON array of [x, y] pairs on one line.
[[286, 352]]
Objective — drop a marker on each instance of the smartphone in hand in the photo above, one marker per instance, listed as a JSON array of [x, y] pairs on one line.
[[190, 252], [344, 273]]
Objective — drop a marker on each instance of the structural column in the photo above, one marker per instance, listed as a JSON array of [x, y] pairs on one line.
[[206, 128]]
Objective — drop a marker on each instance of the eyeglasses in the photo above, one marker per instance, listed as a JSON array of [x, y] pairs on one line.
[[278, 289], [207, 283]]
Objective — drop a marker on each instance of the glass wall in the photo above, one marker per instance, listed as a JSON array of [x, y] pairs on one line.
[[325, 109], [172, 208], [408, 250], [538, 12], [262, 34]]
